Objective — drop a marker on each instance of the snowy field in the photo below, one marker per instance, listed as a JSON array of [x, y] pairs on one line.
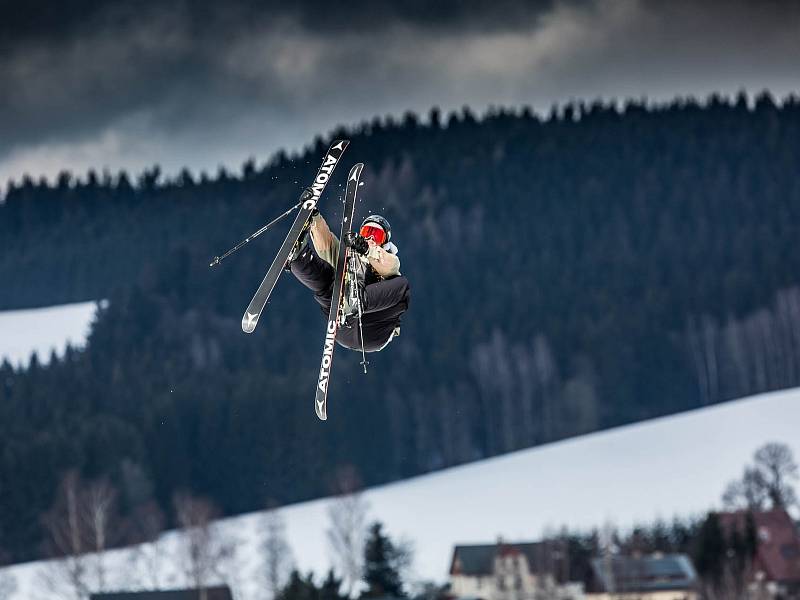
[[43, 330], [676, 465]]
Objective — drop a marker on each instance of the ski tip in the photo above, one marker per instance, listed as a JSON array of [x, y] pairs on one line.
[[355, 172], [321, 408], [249, 322]]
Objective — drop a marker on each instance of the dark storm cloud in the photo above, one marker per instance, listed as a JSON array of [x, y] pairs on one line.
[[204, 82], [70, 68], [48, 19]]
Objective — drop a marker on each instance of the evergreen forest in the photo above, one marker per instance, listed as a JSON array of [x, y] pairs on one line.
[[601, 265]]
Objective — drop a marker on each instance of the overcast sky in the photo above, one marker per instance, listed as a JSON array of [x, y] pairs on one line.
[[114, 84]]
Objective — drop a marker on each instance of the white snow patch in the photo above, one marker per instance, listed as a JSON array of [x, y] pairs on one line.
[[43, 330], [672, 466]]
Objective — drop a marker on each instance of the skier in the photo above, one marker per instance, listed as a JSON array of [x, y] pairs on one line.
[[383, 291]]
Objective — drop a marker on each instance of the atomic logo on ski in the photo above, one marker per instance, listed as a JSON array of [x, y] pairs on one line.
[[308, 202], [319, 183], [327, 356]]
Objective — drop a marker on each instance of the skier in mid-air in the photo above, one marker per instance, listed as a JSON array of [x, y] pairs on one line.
[[383, 291]]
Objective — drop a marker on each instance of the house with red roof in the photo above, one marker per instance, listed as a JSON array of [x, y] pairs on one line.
[[776, 565]]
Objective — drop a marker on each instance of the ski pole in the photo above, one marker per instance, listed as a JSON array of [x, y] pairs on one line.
[[218, 259]]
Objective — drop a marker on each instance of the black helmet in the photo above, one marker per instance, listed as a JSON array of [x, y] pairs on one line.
[[380, 221]]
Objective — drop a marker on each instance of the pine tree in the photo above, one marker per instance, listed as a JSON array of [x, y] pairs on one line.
[[299, 588], [750, 536], [331, 588], [710, 550], [277, 554], [381, 565]]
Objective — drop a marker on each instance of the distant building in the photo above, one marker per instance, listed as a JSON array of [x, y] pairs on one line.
[[655, 577], [509, 571], [776, 567], [211, 593]]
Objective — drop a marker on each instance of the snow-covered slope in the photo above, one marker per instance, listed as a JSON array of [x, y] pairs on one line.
[[43, 330], [675, 465]]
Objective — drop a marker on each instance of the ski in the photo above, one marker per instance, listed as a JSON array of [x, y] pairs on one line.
[[299, 226], [334, 318]]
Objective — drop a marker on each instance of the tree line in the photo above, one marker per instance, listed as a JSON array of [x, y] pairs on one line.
[[366, 561], [86, 521], [598, 266]]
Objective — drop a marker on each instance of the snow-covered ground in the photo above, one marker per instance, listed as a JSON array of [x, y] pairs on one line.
[[43, 330], [677, 465]]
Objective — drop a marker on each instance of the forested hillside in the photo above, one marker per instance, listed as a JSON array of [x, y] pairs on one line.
[[597, 267]]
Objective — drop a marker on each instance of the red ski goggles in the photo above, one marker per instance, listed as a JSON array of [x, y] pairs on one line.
[[375, 232]]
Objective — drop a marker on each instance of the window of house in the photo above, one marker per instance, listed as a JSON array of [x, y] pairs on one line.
[[763, 534], [790, 551]]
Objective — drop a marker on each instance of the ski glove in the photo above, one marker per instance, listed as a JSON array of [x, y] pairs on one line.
[[357, 243]]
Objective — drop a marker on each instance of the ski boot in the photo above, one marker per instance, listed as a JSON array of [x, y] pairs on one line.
[[300, 246]]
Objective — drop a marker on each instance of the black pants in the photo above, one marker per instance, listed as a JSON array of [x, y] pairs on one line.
[[384, 302]]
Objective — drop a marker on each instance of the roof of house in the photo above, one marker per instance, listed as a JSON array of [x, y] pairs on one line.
[[212, 593], [644, 574], [778, 542], [478, 559]]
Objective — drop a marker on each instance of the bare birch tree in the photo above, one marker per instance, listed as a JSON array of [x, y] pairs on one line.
[[760, 333], [347, 532], [278, 559], [701, 337], [748, 492], [147, 557], [548, 380], [519, 391], [204, 550], [505, 396], [791, 301], [736, 350], [769, 481], [79, 528], [760, 352], [526, 391], [482, 367], [710, 349], [778, 470], [99, 509], [66, 539]]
